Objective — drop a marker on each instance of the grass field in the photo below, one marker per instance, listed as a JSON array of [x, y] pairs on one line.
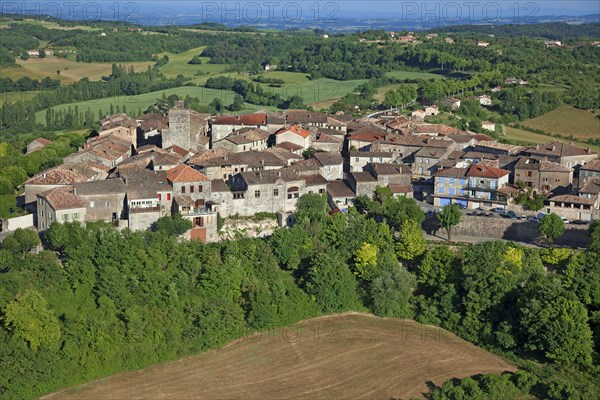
[[17, 96], [566, 121], [70, 71], [522, 137], [345, 356], [178, 64], [413, 75], [144, 100]]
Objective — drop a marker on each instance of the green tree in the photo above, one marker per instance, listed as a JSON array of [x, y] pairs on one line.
[[238, 103], [29, 318], [411, 242], [449, 217], [331, 284], [365, 259], [21, 241], [42, 53], [172, 225], [555, 322], [196, 60], [24, 55], [550, 227], [391, 291], [312, 208]]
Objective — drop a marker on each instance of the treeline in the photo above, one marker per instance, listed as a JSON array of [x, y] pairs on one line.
[[16, 167], [20, 116], [253, 93], [25, 84], [548, 30]]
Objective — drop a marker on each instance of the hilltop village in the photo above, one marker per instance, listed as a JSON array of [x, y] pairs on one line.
[[135, 171]]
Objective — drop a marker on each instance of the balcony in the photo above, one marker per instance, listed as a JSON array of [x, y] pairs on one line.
[[196, 211]]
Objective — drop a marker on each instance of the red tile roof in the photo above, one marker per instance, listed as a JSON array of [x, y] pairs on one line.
[[485, 171], [298, 130], [185, 173], [63, 198], [42, 141], [57, 176]]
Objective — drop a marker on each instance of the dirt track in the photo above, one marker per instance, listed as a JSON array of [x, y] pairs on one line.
[[343, 356]]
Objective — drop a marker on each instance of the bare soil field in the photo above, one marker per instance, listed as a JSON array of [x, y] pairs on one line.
[[335, 357], [582, 124]]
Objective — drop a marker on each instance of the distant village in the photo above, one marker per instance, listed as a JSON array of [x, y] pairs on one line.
[[135, 171]]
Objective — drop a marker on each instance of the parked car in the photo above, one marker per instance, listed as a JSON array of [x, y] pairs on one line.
[[512, 215], [566, 221], [533, 219], [430, 214], [481, 214], [580, 222], [499, 210], [541, 215], [489, 214], [461, 206], [524, 217]]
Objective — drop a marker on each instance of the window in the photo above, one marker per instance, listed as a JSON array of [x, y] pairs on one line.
[[41, 213], [75, 216], [463, 182], [452, 191], [442, 179], [191, 189], [198, 222], [65, 217], [545, 179], [557, 180], [92, 204], [441, 190], [40, 201], [493, 184], [257, 194], [451, 180], [50, 216], [200, 189], [461, 191], [529, 174], [183, 189], [107, 204], [168, 196], [275, 192], [238, 195], [357, 159], [321, 191], [159, 197]]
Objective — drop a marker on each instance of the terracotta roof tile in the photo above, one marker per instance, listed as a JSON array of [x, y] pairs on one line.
[[185, 173], [298, 130], [484, 171], [62, 198]]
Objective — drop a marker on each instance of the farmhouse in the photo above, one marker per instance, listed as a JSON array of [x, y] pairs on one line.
[[37, 144]]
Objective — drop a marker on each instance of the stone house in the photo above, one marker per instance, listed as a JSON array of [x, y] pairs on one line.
[[362, 183], [585, 205], [488, 126], [452, 103], [60, 204], [426, 159], [591, 169], [222, 126], [568, 155], [294, 134], [331, 165], [165, 162], [387, 174], [104, 200], [37, 144], [53, 178], [266, 191], [485, 100], [326, 142], [244, 139], [119, 126], [226, 166], [543, 175], [108, 151], [359, 159], [493, 147], [340, 196], [473, 187], [203, 219], [189, 183]]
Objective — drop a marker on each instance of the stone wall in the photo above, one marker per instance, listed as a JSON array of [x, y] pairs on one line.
[[504, 228], [139, 221], [247, 227]]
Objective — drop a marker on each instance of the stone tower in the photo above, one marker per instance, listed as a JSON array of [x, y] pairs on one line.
[[179, 132]]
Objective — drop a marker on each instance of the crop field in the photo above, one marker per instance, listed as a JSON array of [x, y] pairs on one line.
[[178, 64], [582, 124], [343, 356], [522, 137], [319, 90], [70, 71], [143, 101]]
